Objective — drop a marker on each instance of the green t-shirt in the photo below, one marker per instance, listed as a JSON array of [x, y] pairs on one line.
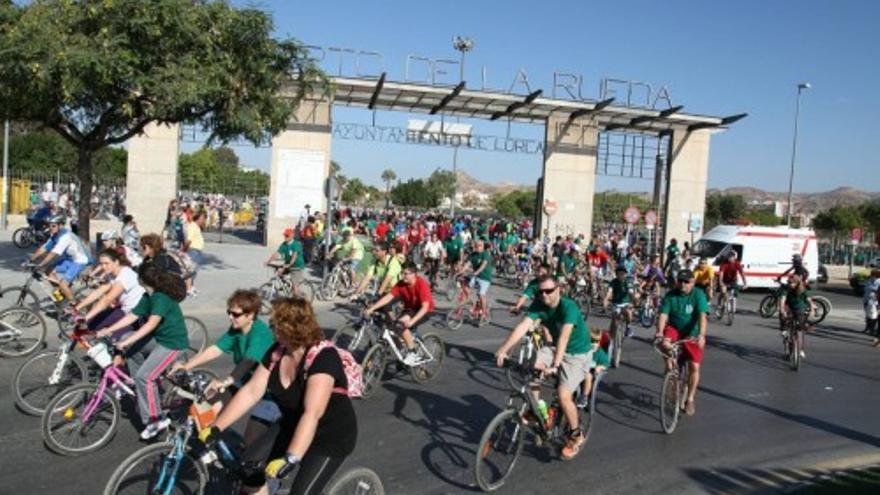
[[252, 345], [565, 312], [477, 259], [684, 310], [171, 332], [797, 303], [620, 291], [286, 250], [390, 267], [672, 250], [452, 247], [531, 290], [371, 225], [566, 265], [353, 248]]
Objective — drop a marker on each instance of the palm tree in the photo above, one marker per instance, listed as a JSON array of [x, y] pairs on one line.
[[388, 176]]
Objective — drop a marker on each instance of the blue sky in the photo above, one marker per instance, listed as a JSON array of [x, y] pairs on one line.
[[717, 58]]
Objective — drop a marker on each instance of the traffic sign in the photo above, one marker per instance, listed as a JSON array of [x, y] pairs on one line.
[[632, 215], [650, 218], [549, 207]]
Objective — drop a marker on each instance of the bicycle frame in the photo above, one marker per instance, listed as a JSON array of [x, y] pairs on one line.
[[389, 338], [172, 461], [116, 378]]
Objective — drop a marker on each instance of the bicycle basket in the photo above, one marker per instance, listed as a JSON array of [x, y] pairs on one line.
[[101, 355]]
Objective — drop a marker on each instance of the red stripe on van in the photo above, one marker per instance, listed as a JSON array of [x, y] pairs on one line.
[[774, 235]]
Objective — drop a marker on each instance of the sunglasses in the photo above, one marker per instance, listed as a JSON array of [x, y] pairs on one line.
[[547, 291], [235, 314]]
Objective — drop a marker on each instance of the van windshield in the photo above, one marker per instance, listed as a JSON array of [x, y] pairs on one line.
[[708, 248]]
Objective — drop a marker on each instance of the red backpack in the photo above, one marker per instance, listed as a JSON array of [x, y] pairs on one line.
[[354, 373]]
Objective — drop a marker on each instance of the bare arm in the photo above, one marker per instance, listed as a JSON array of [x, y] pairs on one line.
[[111, 293], [122, 323], [420, 314], [245, 399], [92, 297], [381, 302], [206, 356], [145, 329], [564, 336], [661, 324]]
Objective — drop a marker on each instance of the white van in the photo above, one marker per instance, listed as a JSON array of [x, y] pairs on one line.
[[765, 252]]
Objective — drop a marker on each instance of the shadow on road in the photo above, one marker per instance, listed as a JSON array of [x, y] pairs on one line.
[[725, 480]]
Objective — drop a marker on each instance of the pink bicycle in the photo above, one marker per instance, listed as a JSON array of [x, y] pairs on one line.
[[465, 309]]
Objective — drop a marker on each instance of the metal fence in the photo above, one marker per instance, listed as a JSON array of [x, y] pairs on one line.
[[28, 190]]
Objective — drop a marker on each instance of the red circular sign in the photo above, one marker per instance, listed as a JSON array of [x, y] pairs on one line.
[[631, 215], [651, 217], [549, 207]]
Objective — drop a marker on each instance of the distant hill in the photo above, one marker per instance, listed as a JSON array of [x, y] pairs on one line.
[[467, 182], [805, 202]]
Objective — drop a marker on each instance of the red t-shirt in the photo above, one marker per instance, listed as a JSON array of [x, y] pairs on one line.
[[442, 231], [599, 259], [414, 295], [729, 270], [382, 230]]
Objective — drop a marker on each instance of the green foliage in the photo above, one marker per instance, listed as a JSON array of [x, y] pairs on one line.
[[839, 219], [355, 192], [870, 212], [762, 217], [98, 72], [210, 170], [441, 183], [515, 204], [727, 209], [609, 206], [45, 152], [413, 192]]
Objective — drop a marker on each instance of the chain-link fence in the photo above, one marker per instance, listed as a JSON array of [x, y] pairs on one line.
[[30, 190]]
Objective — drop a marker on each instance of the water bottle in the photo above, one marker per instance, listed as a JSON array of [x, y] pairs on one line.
[[542, 409], [57, 296]]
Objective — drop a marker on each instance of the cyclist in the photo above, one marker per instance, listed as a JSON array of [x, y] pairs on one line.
[[434, 255], [672, 252], [704, 277], [683, 317], [318, 426], [351, 251], [247, 340], [452, 246], [795, 302], [797, 267], [291, 253], [570, 358], [481, 266], [112, 301], [598, 362], [160, 309], [566, 265], [415, 293], [621, 292], [386, 267], [66, 252], [730, 273], [530, 293]]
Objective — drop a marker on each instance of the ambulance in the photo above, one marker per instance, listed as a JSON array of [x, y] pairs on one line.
[[765, 252]]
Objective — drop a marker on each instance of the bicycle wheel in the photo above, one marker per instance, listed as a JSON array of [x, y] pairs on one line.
[[373, 369], [66, 432], [329, 287], [197, 333], [823, 308], [617, 350], [22, 331], [768, 305], [485, 318], [670, 402], [22, 238], [451, 288], [729, 310], [306, 290], [794, 352], [455, 317], [429, 345], [267, 294], [350, 337], [500, 447], [647, 316], [22, 296], [358, 481], [31, 385], [587, 414], [152, 470]]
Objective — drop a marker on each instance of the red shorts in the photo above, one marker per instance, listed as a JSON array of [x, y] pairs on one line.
[[690, 350]]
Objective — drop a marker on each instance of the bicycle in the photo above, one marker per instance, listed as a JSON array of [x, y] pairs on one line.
[[430, 348], [365, 330], [793, 339], [50, 300], [339, 282], [770, 305], [725, 306], [579, 292], [505, 434], [647, 312], [29, 235], [617, 334], [22, 331], [674, 391], [524, 355], [464, 309], [282, 285]]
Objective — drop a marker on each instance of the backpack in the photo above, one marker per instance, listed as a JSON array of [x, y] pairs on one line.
[[186, 264], [354, 373]]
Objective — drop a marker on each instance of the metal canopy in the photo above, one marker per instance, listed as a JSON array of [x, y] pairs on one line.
[[460, 102]]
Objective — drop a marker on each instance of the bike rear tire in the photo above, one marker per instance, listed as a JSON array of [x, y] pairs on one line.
[[197, 334], [358, 481], [646, 317], [794, 352], [729, 311], [617, 351], [32, 327], [427, 371], [306, 290], [267, 294], [22, 238], [670, 402], [31, 387], [768, 306], [373, 367], [128, 478], [505, 434], [56, 419], [455, 318], [823, 309]]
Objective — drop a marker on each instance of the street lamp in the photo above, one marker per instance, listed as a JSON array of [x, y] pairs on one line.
[[462, 44], [797, 108]]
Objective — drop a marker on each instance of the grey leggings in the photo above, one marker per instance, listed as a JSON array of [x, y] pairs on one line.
[[147, 373]]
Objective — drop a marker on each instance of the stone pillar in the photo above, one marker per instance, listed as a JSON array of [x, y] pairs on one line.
[[569, 176], [151, 179], [686, 184], [300, 166]]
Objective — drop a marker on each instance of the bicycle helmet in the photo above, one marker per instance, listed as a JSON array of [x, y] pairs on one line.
[[57, 220], [685, 275], [797, 258]]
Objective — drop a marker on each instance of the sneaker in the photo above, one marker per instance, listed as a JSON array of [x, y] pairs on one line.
[[155, 428], [411, 358], [628, 332], [803, 354], [572, 446], [583, 401]]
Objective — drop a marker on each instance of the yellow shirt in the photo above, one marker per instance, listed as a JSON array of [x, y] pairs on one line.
[[194, 236], [704, 277]]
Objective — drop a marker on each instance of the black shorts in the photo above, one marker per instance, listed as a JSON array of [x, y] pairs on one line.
[[411, 313]]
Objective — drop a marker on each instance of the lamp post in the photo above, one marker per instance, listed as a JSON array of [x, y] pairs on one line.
[[463, 45], [797, 108]]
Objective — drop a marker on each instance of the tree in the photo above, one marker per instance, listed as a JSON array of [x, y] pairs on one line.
[[731, 207], [98, 73], [227, 159], [838, 219], [46, 152], [515, 204], [441, 184], [388, 176], [354, 191], [200, 171], [413, 192], [335, 168], [470, 201]]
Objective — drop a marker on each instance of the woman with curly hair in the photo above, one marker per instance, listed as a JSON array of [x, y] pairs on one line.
[[159, 310], [318, 427]]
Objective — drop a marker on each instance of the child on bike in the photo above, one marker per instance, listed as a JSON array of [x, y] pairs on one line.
[[795, 302], [599, 362]]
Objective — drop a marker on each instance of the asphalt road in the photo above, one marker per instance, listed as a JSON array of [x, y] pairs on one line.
[[759, 426]]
